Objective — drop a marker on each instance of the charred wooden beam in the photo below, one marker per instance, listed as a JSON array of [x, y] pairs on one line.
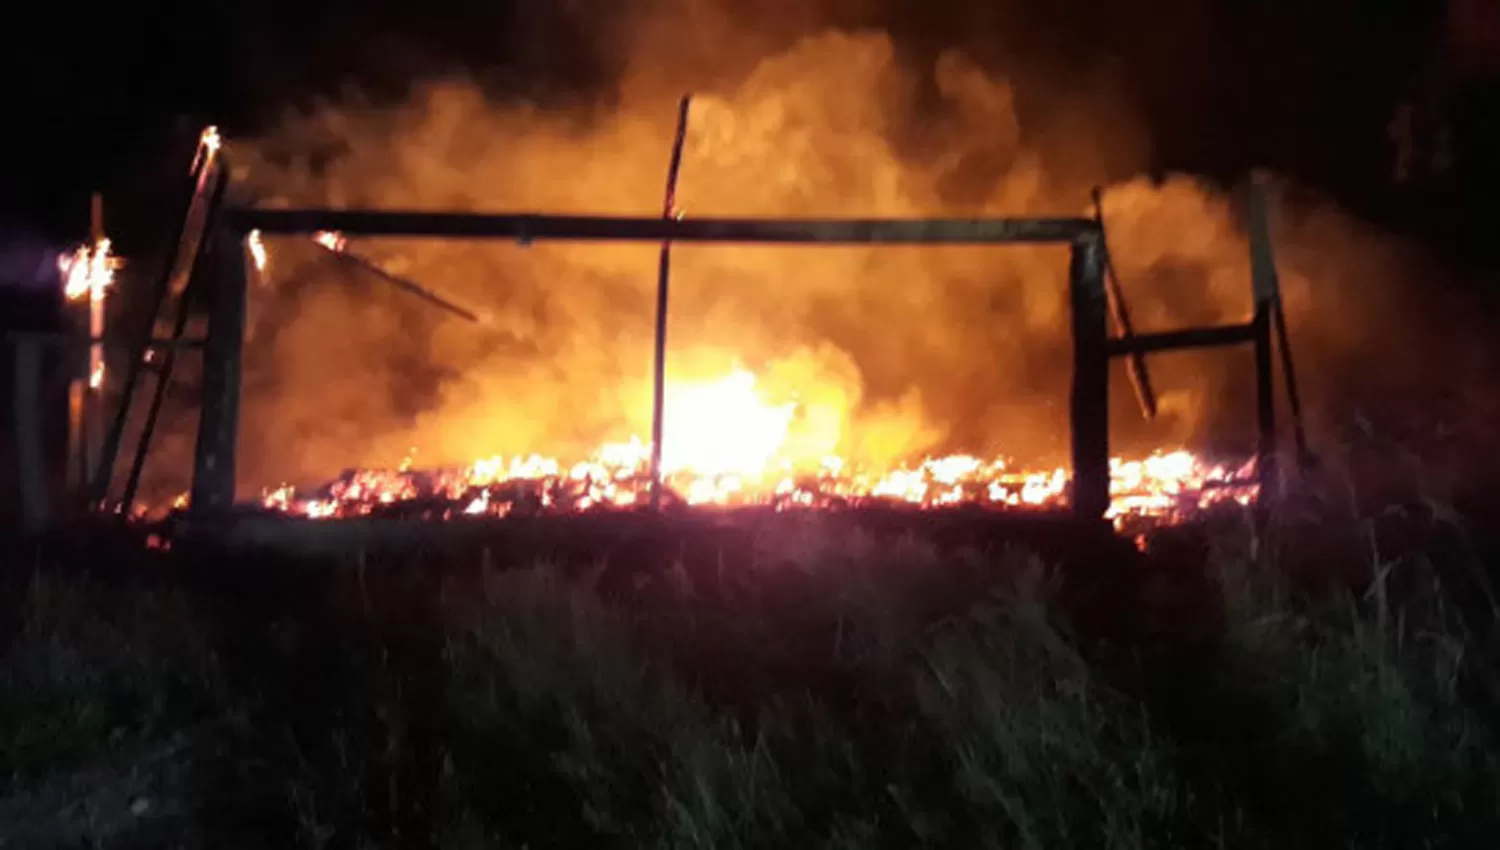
[[1140, 376], [410, 287], [205, 185], [218, 423], [1142, 344], [1265, 401], [26, 407], [526, 228], [1090, 390], [200, 278], [663, 291], [1268, 288]]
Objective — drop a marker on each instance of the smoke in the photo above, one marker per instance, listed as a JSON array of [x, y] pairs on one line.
[[28, 262], [892, 352]]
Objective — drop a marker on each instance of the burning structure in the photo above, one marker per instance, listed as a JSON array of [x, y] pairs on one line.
[[716, 442], [523, 378]]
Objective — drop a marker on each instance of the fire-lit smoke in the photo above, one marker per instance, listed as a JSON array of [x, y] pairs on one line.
[[879, 355]]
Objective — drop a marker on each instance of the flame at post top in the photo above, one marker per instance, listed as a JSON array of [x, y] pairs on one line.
[[209, 143], [87, 271]]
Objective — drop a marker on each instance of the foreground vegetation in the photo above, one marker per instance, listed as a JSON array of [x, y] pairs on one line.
[[1232, 690]]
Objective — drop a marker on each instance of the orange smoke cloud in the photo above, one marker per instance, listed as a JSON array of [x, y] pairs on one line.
[[887, 353]]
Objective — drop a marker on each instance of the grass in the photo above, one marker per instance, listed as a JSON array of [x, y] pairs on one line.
[[845, 690]]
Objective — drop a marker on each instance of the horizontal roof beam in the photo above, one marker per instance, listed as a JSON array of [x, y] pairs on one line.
[[526, 228], [1155, 343]]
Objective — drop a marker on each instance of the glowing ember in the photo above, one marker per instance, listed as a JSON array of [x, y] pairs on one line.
[[725, 446], [1163, 487]]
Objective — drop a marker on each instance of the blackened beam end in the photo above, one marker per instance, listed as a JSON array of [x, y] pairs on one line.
[[529, 227]]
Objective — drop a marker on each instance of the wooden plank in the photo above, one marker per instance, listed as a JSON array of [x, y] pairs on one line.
[[26, 407], [1268, 286], [208, 184], [214, 464], [1090, 390], [526, 227], [1180, 340], [1265, 404], [1265, 289], [1140, 376], [663, 291]]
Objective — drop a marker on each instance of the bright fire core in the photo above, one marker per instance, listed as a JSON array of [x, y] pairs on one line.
[[726, 445]]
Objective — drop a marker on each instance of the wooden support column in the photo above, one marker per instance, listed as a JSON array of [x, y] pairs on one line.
[[1264, 289], [1265, 403], [1090, 391], [203, 181], [26, 406], [214, 467]]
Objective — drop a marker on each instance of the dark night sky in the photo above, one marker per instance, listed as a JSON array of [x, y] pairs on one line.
[[110, 97]]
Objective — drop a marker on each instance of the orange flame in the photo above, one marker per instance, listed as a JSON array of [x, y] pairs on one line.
[[209, 143], [257, 248], [726, 445], [331, 240], [87, 272], [260, 255]]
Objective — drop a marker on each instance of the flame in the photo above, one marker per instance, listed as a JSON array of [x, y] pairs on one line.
[[87, 271], [257, 248], [260, 255], [209, 143], [331, 240], [725, 444], [722, 428]]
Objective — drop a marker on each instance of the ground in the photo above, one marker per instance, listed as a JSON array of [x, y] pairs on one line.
[[1326, 680]]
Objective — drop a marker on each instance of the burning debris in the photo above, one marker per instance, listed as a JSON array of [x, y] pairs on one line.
[[815, 443], [729, 447], [1160, 489]]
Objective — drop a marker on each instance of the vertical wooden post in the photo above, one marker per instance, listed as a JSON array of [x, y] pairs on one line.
[[1090, 391], [1264, 289], [218, 424], [663, 286], [78, 448], [200, 277], [93, 400], [1265, 402], [30, 457], [197, 184]]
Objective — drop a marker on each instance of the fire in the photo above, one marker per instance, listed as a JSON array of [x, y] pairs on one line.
[[723, 428], [257, 248], [260, 255], [330, 240], [87, 273], [209, 143], [726, 445]]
